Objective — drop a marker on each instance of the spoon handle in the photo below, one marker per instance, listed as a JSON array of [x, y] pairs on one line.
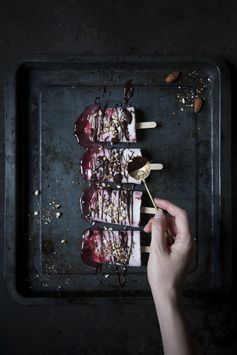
[[151, 198]]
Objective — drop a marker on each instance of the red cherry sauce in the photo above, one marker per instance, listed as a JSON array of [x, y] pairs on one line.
[[85, 134], [87, 163], [92, 251], [88, 198]]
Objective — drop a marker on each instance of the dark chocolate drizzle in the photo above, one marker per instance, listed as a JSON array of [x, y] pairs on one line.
[[128, 92], [106, 164], [107, 205], [98, 249], [127, 115]]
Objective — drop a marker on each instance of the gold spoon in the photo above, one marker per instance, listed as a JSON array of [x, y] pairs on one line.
[[139, 168]]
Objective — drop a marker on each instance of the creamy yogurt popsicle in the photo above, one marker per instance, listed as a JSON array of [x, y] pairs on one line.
[[111, 247], [101, 164], [111, 206], [112, 125]]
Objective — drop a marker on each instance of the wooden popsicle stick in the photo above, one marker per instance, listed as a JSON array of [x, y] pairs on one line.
[[144, 125], [148, 210], [156, 166], [145, 249]]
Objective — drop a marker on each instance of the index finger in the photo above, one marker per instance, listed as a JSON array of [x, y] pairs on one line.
[[180, 215]]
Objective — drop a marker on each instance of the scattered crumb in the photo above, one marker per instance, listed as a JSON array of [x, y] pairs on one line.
[[36, 213], [37, 192], [68, 281], [193, 85], [58, 214]]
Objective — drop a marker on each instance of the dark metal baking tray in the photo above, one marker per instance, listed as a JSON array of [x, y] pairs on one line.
[[44, 96]]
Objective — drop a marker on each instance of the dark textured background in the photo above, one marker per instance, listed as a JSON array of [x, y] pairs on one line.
[[114, 27]]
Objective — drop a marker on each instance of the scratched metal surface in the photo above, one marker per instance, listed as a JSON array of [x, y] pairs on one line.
[[42, 154]]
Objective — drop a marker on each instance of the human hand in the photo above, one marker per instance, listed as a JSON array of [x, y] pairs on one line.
[[168, 263]]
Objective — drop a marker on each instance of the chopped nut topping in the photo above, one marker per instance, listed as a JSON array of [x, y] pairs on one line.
[[58, 214]]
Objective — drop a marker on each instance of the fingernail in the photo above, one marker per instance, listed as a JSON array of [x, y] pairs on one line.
[[158, 214]]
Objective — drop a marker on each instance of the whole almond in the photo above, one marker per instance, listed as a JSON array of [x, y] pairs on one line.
[[197, 105], [172, 77]]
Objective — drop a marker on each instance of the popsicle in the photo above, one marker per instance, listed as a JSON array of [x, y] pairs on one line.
[[121, 206], [103, 164], [111, 247], [111, 125]]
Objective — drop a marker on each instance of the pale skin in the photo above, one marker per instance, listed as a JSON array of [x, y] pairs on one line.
[[167, 268]]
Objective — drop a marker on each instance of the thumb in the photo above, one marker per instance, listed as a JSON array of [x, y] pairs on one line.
[[158, 231]]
